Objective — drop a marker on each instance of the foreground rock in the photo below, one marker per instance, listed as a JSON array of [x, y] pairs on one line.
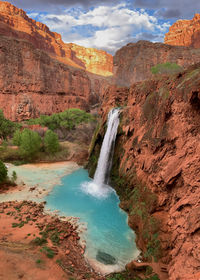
[[40, 245], [185, 33], [156, 167]]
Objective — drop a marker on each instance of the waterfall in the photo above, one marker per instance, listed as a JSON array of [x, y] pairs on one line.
[[106, 154], [98, 187]]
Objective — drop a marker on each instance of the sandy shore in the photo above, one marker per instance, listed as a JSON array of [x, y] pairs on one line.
[[37, 246], [35, 181]]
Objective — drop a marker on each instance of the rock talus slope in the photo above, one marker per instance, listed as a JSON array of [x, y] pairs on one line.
[[184, 33]]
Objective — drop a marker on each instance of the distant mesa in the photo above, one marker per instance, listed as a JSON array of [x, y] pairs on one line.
[[184, 33]]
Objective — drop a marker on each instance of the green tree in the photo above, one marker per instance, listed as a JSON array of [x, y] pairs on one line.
[[51, 143], [6, 126], [14, 177], [17, 137], [3, 172], [30, 143]]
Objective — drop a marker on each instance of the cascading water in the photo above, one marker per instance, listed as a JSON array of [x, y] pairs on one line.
[[105, 159], [99, 187], [110, 242]]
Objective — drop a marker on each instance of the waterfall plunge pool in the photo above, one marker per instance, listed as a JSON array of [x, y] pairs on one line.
[[110, 243]]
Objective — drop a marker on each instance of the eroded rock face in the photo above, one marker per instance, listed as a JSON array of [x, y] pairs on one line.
[[40, 74], [15, 23], [133, 62], [184, 33], [158, 142], [32, 83]]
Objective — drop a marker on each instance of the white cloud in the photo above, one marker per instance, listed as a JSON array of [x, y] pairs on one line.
[[109, 27], [33, 15]]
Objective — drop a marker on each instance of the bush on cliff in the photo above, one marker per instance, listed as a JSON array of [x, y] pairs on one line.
[[68, 119], [51, 143], [3, 172], [167, 68]]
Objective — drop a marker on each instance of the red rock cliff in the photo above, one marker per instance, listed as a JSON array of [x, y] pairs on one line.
[[133, 62], [42, 75], [14, 22], [184, 33], [156, 167]]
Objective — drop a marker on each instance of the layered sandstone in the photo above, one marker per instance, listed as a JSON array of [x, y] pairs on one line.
[[95, 61], [40, 74], [32, 83], [133, 62], [158, 155], [15, 23], [184, 33]]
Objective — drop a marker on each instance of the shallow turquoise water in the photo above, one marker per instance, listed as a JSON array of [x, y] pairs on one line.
[[107, 228]]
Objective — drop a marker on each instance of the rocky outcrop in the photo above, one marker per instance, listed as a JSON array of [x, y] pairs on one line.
[[184, 33], [133, 62], [156, 168], [15, 23]]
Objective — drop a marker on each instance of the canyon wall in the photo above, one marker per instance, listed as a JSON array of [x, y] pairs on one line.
[[133, 62], [32, 83], [184, 33], [156, 168], [15, 23], [40, 74]]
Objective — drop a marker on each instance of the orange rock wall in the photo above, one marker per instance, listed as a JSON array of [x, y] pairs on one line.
[[14, 22], [32, 83], [133, 62], [95, 61], [184, 33], [158, 141]]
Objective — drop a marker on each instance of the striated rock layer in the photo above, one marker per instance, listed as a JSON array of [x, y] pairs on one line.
[[133, 62], [156, 167], [184, 33], [32, 83], [14, 22], [42, 75]]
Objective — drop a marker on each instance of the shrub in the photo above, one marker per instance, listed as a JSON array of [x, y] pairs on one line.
[[67, 119], [166, 68], [17, 137], [7, 127], [3, 172], [30, 143], [14, 177], [51, 143], [48, 251]]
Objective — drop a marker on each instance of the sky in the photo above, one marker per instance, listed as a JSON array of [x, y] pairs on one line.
[[109, 24]]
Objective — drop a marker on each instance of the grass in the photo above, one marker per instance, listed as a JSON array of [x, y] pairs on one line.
[[39, 261], [48, 251], [39, 241], [167, 68]]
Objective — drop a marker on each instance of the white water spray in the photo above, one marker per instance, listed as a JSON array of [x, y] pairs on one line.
[[98, 187]]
